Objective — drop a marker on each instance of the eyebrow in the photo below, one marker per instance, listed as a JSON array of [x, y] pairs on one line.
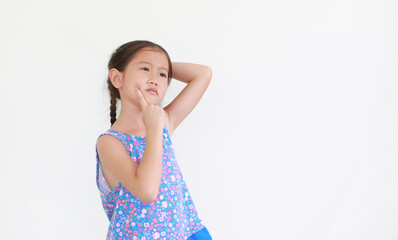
[[152, 65]]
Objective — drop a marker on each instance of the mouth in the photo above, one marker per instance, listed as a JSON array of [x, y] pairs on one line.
[[152, 91]]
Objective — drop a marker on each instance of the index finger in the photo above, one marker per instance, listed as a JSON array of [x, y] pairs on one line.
[[141, 98]]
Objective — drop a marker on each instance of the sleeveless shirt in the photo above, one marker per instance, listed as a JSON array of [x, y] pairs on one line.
[[171, 216]]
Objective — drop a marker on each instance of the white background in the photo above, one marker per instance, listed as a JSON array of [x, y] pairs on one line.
[[295, 138]]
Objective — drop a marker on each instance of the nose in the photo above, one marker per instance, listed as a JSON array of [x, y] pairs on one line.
[[153, 82]]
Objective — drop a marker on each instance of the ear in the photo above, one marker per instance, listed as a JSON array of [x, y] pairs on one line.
[[116, 77]]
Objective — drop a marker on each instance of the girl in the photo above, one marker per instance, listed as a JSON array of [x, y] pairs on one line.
[[141, 186]]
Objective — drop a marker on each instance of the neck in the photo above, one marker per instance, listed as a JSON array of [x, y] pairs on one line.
[[130, 118]]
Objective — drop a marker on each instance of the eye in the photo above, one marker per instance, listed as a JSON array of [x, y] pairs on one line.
[[163, 75], [145, 68]]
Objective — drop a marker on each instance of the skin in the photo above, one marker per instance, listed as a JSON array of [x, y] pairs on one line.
[[140, 115]]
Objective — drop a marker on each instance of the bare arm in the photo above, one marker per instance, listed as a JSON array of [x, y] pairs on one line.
[[198, 79], [149, 171], [142, 180]]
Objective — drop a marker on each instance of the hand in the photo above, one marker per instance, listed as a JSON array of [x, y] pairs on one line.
[[153, 116]]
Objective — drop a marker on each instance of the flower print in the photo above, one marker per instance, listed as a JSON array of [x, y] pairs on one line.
[[138, 220]]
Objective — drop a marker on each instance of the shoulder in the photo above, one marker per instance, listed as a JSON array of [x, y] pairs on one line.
[[108, 144], [111, 150]]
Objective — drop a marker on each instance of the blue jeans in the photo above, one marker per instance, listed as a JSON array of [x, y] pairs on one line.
[[203, 234]]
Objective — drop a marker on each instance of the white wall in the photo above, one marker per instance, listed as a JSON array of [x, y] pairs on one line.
[[295, 138]]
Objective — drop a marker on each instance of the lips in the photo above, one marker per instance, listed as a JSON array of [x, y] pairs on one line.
[[153, 90]]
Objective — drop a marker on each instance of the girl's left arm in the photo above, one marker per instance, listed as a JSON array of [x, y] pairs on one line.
[[198, 79]]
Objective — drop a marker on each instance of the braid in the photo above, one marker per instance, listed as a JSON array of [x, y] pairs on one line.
[[113, 110], [114, 94]]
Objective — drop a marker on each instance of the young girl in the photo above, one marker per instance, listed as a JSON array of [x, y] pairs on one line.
[[141, 186]]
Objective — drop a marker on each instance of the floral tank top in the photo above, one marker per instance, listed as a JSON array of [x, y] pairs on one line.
[[171, 216]]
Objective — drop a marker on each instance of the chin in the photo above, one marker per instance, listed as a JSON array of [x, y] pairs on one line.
[[154, 102]]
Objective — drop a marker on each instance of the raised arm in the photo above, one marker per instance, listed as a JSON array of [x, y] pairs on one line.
[[198, 79]]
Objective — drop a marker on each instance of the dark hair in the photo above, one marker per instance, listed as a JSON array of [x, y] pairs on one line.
[[120, 59]]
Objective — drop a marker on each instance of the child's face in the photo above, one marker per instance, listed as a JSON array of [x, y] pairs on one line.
[[148, 69]]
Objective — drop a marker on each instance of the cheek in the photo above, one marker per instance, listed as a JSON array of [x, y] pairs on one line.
[[140, 86], [165, 89]]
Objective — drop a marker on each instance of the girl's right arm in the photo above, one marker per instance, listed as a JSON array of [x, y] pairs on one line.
[[142, 181]]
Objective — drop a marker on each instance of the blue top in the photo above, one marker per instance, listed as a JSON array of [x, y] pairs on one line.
[[171, 216]]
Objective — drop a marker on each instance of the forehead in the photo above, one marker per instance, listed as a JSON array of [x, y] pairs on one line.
[[153, 56]]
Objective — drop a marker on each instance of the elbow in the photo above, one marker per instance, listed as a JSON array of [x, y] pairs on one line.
[[143, 193], [149, 199], [149, 195], [209, 73], [146, 190]]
